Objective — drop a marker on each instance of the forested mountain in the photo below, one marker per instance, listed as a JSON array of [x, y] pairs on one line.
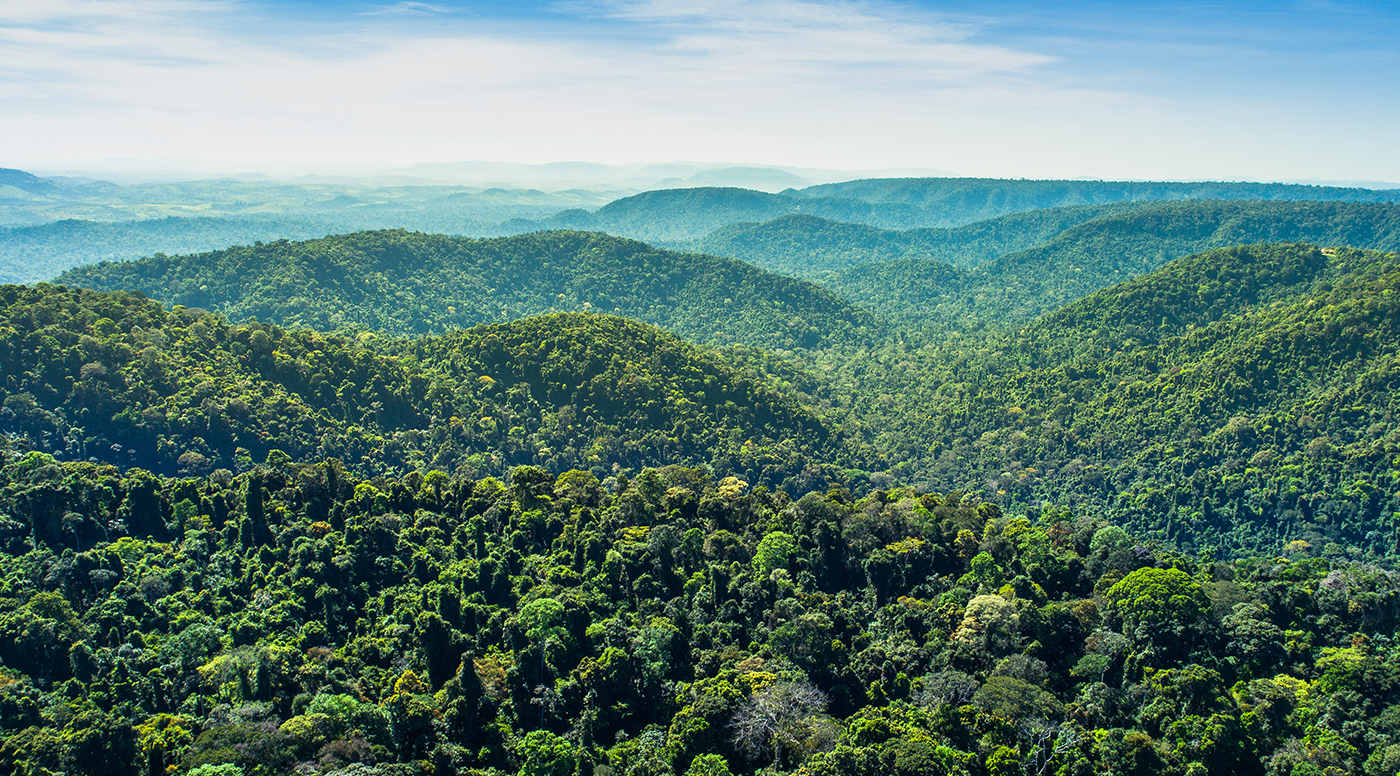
[[1099, 253], [117, 378], [809, 246], [1233, 401], [680, 217], [407, 283], [33, 253], [1095, 506], [956, 201], [677, 217]]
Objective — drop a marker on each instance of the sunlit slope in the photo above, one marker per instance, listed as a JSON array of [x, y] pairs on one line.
[[118, 378], [1235, 398], [408, 283]]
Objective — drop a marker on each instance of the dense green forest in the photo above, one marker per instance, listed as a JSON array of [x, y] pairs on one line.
[[1096, 254], [1092, 416], [407, 283], [679, 217], [116, 378], [298, 619], [1107, 488], [953, 201], [808, 246], [1232, 401]]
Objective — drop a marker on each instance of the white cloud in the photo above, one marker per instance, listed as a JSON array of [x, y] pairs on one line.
[[773, 81]]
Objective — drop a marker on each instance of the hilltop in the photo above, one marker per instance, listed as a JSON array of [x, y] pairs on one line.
[[679, 217], [120, 379], [962, 200], [407, 284], [811, 247]]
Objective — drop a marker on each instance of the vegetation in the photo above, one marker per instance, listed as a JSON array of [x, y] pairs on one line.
[[297, 619], [116, 378], [1230, 402], [1097, 254], [954, 201], [406, 504], [34, 253], [808, 246], [407, 283]]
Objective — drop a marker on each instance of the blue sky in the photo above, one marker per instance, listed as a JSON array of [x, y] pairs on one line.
[[1285, 90]]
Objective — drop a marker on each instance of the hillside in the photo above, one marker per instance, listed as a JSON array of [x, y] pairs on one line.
[[1234, 400], [117, 378], [678, 217], [1100, 253], [33, 253], [809, 246], [954, 201], [407, 284]]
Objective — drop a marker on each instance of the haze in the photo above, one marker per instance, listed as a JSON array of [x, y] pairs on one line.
[[1277, 91]]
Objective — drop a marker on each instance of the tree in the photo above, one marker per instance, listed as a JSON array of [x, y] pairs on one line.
[[784, 715], [774, 551], [1165, 599]]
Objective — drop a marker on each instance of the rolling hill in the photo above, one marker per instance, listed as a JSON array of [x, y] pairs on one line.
[[954, 201], [117, 378], [1236, 399], [810, 246], [407, 284], [1100, 253], [29, 254], [679, 217]]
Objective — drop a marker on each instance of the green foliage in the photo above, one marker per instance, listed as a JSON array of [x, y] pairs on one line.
[[1158, 595], [631, 631], [1235, 399], [408, 284], [775, 551], [808, 246], [924, 288], [116, 378]]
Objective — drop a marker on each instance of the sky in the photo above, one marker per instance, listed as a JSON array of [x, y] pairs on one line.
[[1133, 90]]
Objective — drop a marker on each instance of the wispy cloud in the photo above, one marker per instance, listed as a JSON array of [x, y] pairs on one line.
[[408, 8], [830, 83]]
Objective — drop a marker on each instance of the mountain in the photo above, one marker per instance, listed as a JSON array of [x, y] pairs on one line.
[[1234, 400], [18, 184], [809, 246], [408, 283], [953, 201], [117, 378], [32, 253], [1099, 253], [761, 178], [680, 217]]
